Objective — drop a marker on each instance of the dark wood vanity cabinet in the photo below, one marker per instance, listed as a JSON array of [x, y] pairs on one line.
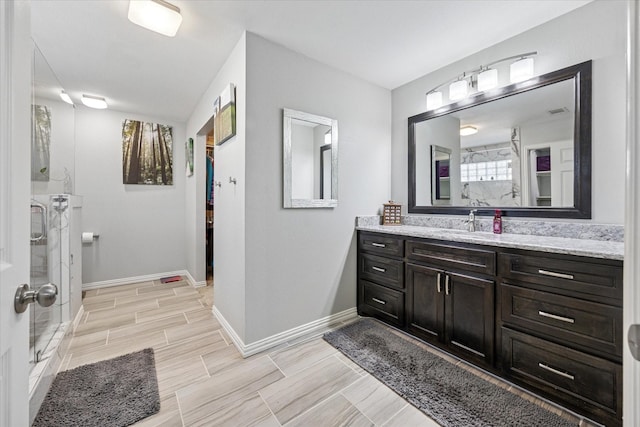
[[381, 292], [560, 330], [449, 307], [551, 323]]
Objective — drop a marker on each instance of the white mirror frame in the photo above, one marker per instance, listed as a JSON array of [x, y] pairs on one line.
[[288, 201]]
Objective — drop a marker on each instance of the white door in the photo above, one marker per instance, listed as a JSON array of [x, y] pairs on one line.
[[15, 93], [562, 173]]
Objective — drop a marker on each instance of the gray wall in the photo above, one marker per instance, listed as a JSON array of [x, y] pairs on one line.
[[301, 263], [229, 208], [595, 31], [141, 226]]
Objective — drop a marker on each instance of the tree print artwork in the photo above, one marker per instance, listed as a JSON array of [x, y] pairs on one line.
[[40, 142], [147, 153]]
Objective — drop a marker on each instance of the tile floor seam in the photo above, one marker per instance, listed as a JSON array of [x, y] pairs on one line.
[[175, 393], [106, 341], [396, 414], [205, 366], [269, 408], [276, 365], [347, 365], [355, 407], [222, 335], [326, 399]]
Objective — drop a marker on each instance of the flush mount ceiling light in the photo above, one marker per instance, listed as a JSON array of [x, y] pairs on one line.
[[481, 79], [65, 97], [468, 130], [94, 102], [155, 15]]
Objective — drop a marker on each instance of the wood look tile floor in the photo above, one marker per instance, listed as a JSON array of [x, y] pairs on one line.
[[204, 381]]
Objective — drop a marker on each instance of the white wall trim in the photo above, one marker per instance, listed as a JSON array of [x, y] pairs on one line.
[[631, 302], [193, 281], [308, 329], [145, 278]]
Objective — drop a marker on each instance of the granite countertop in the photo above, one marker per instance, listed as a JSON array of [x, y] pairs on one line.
[[559, 245]]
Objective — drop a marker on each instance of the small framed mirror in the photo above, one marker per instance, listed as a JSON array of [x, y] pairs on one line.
[[440, 178], [310, 160]]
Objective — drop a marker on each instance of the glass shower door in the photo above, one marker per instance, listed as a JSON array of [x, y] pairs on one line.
[[45, 260]]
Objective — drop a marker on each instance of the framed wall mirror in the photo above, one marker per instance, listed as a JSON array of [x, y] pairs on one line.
[[523, 148], [310, 160]]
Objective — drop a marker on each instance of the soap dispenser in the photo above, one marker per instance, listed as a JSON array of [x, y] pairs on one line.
[[497, 222]]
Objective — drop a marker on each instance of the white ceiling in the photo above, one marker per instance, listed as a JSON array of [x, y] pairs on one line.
[[94, 49]]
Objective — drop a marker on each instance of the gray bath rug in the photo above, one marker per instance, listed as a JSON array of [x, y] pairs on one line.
[[448, 394], [112, 393]]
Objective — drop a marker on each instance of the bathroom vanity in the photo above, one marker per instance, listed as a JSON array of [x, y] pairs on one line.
[[542, 312]]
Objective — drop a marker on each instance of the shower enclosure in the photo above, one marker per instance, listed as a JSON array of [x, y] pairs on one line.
[[55, 228]]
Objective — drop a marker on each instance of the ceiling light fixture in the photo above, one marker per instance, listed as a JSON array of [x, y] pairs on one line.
[[94, 102], [434, 100], [521, 70], [481, 79], [155, 15], [468, 130], [65, 97]]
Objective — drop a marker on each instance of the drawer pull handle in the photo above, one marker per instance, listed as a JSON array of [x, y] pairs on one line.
[[379, 245], [381, 270], [556, 317], [555, 371], [447, 288], [379, 301], [438, 282], [554, 274]]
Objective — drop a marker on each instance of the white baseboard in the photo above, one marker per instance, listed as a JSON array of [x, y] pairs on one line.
[[307, 329], [193, 281], [145, 278]]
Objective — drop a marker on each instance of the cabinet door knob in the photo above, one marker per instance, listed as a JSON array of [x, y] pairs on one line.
[[379, 245], [554, 274], [379, 301], [447, 289], [555, 371], [378, 269], [438, 282], [556, 317]]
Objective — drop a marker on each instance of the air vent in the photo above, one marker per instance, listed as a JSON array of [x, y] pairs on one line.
[[558, 111]]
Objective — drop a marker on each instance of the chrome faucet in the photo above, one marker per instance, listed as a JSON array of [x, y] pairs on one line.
[[472, 220]]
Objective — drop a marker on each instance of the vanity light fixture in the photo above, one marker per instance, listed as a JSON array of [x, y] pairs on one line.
[[521, 70], [65, 97], [434, 100], [487, 79], [468, 130], [155, 15], [458, 89], [481, 79], [94, 102]]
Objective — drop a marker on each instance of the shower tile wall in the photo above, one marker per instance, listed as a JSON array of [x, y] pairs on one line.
[[491, 192]]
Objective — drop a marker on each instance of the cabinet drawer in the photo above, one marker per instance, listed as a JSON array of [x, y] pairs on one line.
[[593, 327], [381, 244], [386, 271], [585, 382], [597, 282], [452, 257], [382, 302]]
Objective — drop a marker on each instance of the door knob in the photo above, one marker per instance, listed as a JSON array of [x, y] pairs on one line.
[[45, 296]]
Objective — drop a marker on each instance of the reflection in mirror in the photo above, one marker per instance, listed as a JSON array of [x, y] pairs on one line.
[[526, 150], [310, 160], [440, 175]]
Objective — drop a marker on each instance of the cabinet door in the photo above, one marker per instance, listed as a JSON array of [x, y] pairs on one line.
[[425, 305], [469, 316]]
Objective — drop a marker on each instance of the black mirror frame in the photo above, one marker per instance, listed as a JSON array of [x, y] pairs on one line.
[[581, 73]]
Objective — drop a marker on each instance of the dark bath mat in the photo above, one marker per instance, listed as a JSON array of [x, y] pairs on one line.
[[112, 393], [448, 394]]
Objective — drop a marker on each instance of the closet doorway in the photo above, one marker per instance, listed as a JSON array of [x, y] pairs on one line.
[[209, 206]]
